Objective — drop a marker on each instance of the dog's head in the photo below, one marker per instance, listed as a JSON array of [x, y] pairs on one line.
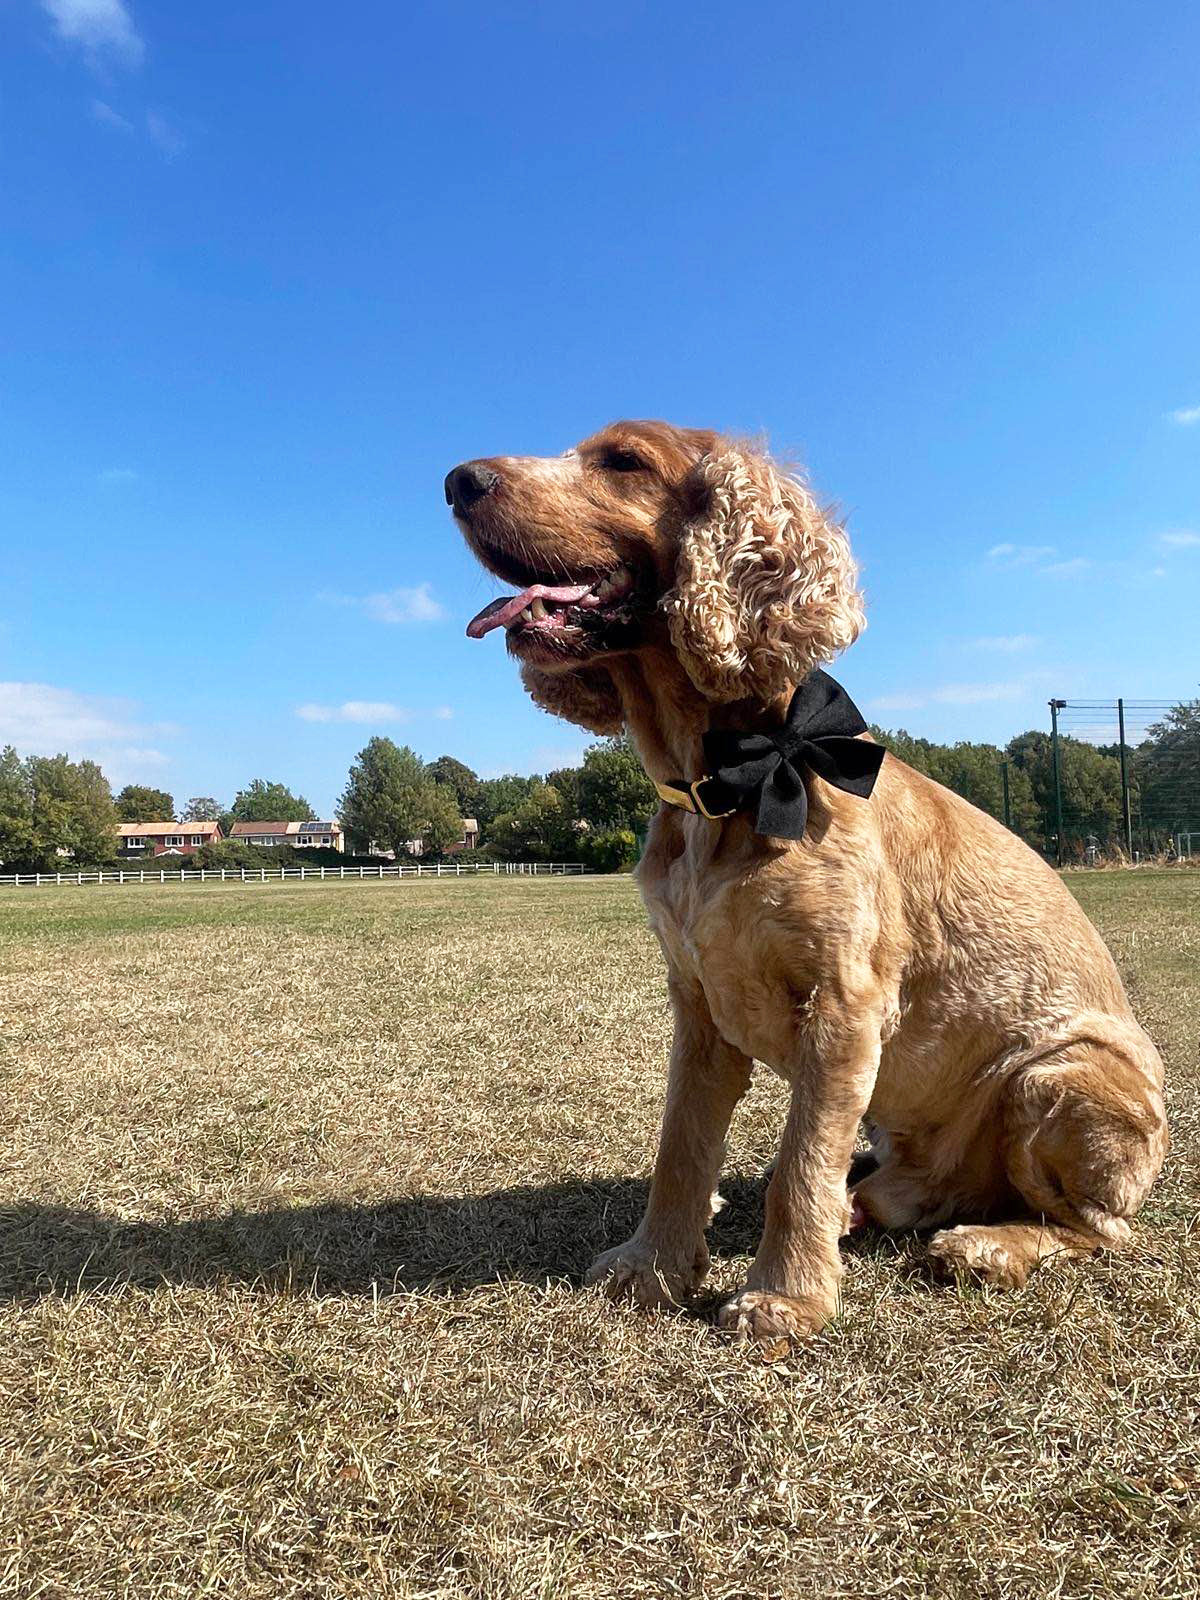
[[650, 534]]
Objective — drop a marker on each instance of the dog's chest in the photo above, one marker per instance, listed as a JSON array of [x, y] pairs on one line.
[[726, 937]]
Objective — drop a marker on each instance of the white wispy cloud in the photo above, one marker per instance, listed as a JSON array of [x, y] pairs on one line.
[[1065, 569], [1008, 643], [355, 711], [393, 605], [1181, 539], [976, 694], [959, 694], [113, 477], [103, 29], [103, 112], [1020, 555], [41, 719], [896, 702], [164, 133], [443, 713], [1186, 416]]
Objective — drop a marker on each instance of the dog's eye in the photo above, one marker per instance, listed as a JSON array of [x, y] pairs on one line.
[[621, 461]]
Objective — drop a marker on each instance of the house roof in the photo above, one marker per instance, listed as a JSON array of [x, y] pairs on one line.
[[470, 825], [247, 830], [320, 827], [158, 830]]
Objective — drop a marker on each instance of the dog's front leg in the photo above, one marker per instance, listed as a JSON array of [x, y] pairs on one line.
[[792, 1287], [667, 1258]]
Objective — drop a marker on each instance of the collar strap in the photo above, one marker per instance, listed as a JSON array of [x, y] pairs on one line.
[[765, 773], [691, 797]]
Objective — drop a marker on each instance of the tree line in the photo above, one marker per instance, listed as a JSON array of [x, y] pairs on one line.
[[54, 809]]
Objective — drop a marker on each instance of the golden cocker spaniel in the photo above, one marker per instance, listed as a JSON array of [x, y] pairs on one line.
[[907, 960]]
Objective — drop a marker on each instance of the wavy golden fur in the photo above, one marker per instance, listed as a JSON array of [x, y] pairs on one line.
[[909, 964]]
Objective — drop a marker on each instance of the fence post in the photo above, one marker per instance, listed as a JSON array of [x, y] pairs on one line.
[[162, 874], [1126, 810], [1055, 707]]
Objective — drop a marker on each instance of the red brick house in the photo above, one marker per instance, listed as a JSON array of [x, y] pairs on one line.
[[142, 840]]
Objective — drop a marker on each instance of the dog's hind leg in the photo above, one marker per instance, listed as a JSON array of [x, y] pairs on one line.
[[1084, 1138]]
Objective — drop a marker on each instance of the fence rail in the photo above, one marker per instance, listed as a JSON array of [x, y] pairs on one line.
[[441, 869]]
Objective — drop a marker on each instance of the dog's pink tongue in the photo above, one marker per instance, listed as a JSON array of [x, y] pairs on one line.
[[499, 613]]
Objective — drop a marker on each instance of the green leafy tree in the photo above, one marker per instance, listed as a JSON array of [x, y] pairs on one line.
[[539, 829], [137, 803], [614, 791], [1090, 783], [391, 799], [270, 802], [71, 811], [497, 795], [442, 823], [203, 808], [460, 778], [1167, 773], [566, 781], [18, 845]]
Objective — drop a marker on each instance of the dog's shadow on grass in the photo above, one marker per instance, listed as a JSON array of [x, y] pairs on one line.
[[529, 1234]]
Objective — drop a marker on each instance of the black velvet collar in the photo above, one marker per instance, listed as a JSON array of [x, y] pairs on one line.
[[764, 772]]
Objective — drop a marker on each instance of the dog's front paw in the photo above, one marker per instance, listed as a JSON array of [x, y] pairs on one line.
[[758, 1314], [983, 1253], [634, 1272]]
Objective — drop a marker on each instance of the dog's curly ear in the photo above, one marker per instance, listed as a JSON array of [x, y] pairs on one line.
[[586, 697], [765, 585]]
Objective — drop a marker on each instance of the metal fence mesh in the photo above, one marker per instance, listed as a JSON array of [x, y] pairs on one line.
[[1144, 798]]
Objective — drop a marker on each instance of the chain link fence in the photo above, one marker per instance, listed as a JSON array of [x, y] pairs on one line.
[[1126, 780]]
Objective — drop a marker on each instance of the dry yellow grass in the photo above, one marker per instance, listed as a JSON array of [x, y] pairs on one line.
[[296, 1184]]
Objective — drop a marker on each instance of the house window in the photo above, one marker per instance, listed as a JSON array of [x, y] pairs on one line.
[[135, 844], [325, 839], [173, 839], [197, 838]]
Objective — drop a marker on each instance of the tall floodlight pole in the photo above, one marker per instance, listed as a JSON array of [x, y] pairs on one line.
[[1125, 806], [1055, 707], [1007, 802]]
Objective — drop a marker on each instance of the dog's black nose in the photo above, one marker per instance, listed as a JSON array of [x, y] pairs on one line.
[[469, 483]]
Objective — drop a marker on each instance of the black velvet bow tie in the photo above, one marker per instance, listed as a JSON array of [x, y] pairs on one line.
[[764, 772]]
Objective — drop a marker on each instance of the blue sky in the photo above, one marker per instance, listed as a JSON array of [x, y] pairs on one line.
[[268, 271]]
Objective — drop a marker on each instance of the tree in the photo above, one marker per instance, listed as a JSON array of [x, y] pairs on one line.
[[51, 809], [17, 840], [390, 799], [203, 808], [1090, 782], [614, 791], [539, 829], [137, 803], [261, 801], [442, 823], [497, 795], [464, 782], [1167, 770]]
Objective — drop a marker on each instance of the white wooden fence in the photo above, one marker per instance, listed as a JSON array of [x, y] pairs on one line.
[[440, 869]]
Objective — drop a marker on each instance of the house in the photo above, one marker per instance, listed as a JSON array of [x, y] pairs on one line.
[[302, 835], [416, 847], [470, 837], [142, 840]]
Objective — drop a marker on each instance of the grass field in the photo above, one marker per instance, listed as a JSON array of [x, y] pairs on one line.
[[295, 1186]]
